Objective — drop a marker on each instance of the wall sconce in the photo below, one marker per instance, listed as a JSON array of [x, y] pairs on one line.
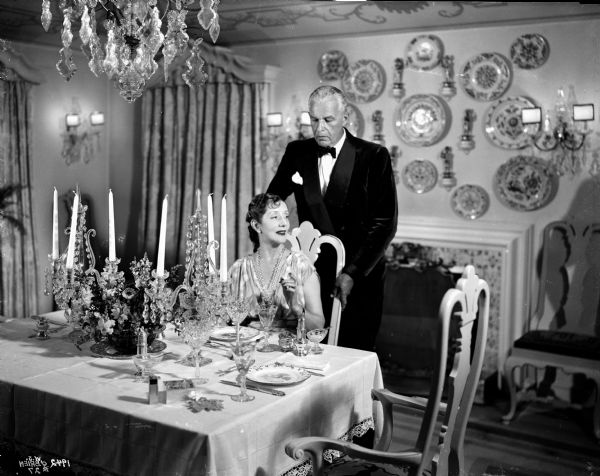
[[80, 141], [567, 133]]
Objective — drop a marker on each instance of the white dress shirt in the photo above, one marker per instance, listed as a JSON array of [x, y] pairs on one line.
[[326, 163]]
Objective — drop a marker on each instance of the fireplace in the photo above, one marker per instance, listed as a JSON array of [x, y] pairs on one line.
[[502, 254]]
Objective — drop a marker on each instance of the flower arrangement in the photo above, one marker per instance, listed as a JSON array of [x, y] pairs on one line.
[[417, 256]]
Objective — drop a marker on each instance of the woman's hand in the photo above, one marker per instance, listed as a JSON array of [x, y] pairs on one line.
[[290, 287]]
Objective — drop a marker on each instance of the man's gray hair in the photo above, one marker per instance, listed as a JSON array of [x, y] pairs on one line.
[[323, 92]]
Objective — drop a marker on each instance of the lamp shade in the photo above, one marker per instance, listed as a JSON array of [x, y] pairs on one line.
[[72, 120], [583, 112], [531, 115], [96, 118], [274, 119]]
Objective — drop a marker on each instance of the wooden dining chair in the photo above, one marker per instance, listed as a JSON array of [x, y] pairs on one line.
[[308, 240], [568, 298], [461, 338]]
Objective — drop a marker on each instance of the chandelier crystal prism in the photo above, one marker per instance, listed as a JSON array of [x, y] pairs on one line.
[[134, 38]]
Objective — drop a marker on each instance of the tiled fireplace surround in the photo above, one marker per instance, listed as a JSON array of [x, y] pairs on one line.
[[502, 254]]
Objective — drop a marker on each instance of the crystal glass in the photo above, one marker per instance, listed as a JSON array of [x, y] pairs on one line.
[[145, 363], [266, 315], [195, 332], [243, 357], [316, 336]]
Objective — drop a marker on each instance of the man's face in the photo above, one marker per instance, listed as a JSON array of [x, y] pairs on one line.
[[327, 119]]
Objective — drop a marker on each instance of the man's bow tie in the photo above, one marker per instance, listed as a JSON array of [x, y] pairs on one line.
[[326, 150]]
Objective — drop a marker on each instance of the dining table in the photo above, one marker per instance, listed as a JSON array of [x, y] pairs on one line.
[[81, 404]]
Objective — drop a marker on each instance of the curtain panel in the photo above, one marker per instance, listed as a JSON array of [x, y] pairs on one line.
[[206, 138], [19, 275]]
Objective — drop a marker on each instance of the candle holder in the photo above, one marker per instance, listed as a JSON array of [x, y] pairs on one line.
[[448, 89], [466, 143], [448, 180], [398, 90], [301, 344]]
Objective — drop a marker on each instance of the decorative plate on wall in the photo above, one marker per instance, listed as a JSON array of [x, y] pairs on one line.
[[503, 124], [424, 52], [422, 120], [332, 65], [364, 81], [420, 176], [470, 201], [486, 77], [525, 183], [529, 51], [356, 122]]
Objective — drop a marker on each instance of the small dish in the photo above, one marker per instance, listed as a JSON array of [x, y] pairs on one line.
[[486, 76], [228, 334], [424, 52], [529, 51], [420, 176], [470, 201], [277, 374], [332, 65], [355, 123], [364, 81]]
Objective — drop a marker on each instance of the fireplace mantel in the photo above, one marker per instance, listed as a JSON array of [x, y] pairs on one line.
[[511, 247]]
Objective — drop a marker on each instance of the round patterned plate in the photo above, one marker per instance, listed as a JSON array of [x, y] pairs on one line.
[[470, 201], [356, 122], [364, 81], [424, 52], [529, 51], [332, 65], [486, 77], [503, 124], [277, 374], [421, 120], [420, 176], [525, 183]]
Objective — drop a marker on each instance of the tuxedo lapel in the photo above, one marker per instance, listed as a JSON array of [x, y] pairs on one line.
[[312, 191], [341, 175]]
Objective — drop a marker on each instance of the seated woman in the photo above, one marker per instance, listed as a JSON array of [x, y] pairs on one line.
[[273, 274]]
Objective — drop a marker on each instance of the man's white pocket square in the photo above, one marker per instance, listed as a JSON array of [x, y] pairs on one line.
[[297, 178]]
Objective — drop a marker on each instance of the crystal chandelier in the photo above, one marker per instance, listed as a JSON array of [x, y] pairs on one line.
[[134, 38]]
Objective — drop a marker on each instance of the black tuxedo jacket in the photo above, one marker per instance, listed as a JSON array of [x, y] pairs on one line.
[[360, 206]]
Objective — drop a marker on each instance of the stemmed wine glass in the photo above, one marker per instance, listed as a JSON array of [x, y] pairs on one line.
[[316, 336], [266, 315], [243, 357], [195, 332]]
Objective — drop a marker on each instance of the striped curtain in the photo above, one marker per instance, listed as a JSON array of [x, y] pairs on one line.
[[18, 276], [207, 138]]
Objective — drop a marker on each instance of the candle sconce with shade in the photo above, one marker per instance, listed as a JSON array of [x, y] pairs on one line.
[[562, 132], [81, 139]]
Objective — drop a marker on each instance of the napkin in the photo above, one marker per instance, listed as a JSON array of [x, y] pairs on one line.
[[308, 362]]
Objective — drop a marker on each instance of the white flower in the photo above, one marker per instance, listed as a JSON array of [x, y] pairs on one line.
[[297, 178]]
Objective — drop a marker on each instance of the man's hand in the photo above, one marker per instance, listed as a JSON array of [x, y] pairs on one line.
[[343, 287]]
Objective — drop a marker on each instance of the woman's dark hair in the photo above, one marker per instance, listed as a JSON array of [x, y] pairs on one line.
[[256, 210]]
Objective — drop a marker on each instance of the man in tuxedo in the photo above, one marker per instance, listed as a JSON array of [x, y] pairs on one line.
[[345, 187]]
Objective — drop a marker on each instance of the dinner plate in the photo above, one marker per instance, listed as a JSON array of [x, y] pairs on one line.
[[529, 51], [228, 334], [363, 81], [424, 52], [470, 201], [525, 183], [277, 374], [332, 65], [420, 176], [503, 124], [486, 76], [421, 120], [356, 122]]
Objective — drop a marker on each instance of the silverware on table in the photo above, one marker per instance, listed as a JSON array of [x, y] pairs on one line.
[[251, 386]]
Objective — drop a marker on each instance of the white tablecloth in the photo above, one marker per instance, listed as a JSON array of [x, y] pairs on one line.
[[89, 409]]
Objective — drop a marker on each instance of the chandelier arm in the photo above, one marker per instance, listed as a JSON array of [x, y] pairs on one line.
[[572, 140]]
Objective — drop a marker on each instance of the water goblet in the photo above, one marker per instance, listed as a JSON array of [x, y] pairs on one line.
[[243, 357], [195, 332], [145, 363], [266, 315], [316, 336]]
